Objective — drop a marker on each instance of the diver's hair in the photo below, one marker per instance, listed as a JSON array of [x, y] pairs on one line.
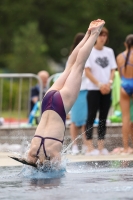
[[77, 39], [129, 42]]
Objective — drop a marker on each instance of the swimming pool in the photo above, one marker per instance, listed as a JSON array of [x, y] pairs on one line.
[[102, 180]]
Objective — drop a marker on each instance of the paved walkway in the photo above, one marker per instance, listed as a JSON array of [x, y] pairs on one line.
[[6, 161]]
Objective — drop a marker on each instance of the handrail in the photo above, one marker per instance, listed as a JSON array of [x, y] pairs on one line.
[[20, 76]]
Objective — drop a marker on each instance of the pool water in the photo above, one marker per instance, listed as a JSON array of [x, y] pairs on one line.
[[103, 180]]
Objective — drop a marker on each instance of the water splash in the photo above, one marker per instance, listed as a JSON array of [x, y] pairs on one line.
[[70, 145], [48, 170]]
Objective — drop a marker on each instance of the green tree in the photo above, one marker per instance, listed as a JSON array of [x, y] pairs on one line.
[[13, 14], [29, 50], [59, 21], [63, 19]]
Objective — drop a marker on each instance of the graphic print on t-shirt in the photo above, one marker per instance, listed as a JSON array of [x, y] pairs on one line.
[[103, 62]]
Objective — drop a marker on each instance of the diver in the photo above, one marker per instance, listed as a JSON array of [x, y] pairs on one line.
[[47, 142]]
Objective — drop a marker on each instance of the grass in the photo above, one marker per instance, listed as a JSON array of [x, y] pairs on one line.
[[14, 114]]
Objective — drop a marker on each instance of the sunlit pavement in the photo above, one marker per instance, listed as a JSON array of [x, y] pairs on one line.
[[6, 161], [83, 158]]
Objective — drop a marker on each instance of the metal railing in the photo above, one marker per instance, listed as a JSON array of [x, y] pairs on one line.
[[20, 99], [10, 79]]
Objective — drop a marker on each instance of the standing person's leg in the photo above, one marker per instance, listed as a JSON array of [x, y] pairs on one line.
[[84, 109], [78, 119], [131, 117], [105, 102], [125, 108], [84, 145], [74, 134], [93, 100], [74, 124], [71, 87], [83, 130]]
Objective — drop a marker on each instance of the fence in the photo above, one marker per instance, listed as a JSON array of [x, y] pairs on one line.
[[15, 96], [15, 89]]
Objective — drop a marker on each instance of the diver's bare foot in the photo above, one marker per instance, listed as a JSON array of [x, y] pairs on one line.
[[96, 26]]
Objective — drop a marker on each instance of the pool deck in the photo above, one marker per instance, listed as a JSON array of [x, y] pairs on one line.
[[16, 135], [6, 161]]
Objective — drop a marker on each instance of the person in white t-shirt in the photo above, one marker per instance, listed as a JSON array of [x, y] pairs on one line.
[[100, 68]]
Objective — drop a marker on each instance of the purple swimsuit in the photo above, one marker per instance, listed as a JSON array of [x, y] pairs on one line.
[[52, 101]]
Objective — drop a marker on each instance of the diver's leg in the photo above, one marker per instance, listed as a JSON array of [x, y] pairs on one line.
[[59, 83], [71, 87]]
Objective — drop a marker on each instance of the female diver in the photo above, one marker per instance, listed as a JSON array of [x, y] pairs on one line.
[[57, 102]]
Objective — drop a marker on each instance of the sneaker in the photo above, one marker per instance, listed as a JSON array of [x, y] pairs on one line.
[[75, 150], [104, 152], [84, 149], [94, 152]]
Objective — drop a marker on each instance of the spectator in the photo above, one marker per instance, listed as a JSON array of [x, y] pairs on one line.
[[125, 67], [44, 75], [100, 68], [79, 109]]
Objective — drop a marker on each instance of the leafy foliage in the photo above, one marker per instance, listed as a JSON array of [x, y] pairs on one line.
[[57, 22], [29, 50]]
